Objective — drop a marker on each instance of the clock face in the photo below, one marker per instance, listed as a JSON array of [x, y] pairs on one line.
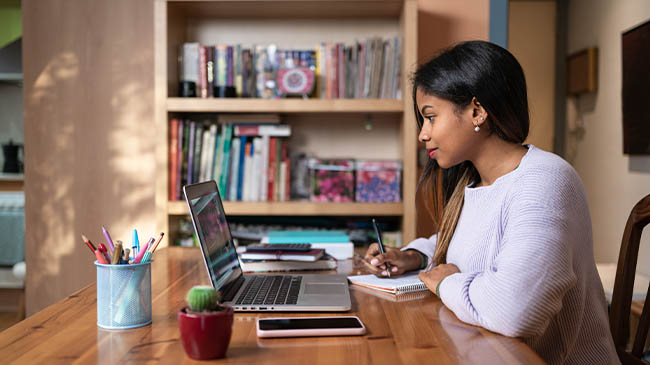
[[295, 80]]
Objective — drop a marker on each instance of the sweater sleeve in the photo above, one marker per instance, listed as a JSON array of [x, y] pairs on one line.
[[426, 246], [524, 288]]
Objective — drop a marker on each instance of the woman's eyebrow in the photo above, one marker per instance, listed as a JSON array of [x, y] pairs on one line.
[[425, 107]]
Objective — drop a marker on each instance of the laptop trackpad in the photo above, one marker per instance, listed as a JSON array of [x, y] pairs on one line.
[[324, 288]]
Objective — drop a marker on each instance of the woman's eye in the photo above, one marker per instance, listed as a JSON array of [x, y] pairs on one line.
[[430, 118]]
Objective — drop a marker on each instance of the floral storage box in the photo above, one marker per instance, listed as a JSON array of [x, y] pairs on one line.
[[331, 180], [378, 181]]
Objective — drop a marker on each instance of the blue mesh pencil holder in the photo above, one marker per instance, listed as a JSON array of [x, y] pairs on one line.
[[123, 295]]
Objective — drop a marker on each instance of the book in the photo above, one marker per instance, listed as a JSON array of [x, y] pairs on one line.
[[335, 243], [234, 169], [173, 158], [264, 168], [273, 130], [190, 153], [179, 163], [308, 236], [309, 256], [402, 284], [325, 263]]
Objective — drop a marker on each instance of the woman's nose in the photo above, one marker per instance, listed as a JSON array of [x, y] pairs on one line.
[[424, 135]]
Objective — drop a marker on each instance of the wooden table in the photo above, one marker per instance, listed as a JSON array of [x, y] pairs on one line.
[[408, 332]]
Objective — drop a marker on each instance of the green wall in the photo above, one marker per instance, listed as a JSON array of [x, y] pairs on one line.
[[11, 22]]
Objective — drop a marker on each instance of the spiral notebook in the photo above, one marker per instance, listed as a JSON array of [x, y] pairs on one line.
[[398, 285]]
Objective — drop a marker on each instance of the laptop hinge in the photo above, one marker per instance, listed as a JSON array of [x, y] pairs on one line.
[[232, 289]]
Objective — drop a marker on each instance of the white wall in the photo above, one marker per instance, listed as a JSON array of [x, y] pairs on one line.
[[614, 182]]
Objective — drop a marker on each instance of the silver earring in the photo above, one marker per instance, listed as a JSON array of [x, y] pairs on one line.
[[482, 119], [477, 128]]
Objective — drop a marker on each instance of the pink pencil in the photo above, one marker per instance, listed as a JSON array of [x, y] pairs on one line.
[[138, 257]]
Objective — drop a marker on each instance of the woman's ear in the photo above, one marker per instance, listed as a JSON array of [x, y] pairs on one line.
[[479, 114]]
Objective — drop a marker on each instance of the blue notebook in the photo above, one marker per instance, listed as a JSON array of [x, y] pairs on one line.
[[308, 237]]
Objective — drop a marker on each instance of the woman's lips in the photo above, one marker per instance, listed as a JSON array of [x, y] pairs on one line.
[[432, 152]]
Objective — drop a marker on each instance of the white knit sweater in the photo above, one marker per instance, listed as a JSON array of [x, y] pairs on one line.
[[525, 253]]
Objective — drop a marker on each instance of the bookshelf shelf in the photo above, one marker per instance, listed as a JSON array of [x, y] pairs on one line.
[[335, 127], [299, 208], [285, 105]]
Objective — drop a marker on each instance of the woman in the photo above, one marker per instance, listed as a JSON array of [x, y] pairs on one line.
[[514, 251]]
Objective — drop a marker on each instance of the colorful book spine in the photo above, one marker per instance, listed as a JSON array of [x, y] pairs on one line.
[[225, 161], [239, 82], [264, 168], [173, 158], [203, 77], [234, 170], [186, 144], [278, 165], [230, 82], [198, 139], [190, 153], [286, 188], [242, 159], [179, 167], [275, 130], [272, 169]]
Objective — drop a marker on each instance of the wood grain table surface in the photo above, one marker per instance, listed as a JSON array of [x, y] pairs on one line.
[[413, 330]]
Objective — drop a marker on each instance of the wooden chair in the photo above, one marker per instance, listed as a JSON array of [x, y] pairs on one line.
[[619, 316]]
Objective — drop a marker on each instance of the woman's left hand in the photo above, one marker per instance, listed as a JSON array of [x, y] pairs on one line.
[[434, 276]]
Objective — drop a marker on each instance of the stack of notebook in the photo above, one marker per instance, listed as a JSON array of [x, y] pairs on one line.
[[335, 243], [260, 261]]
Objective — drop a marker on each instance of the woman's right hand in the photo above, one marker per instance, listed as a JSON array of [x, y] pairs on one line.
[[399, 261]]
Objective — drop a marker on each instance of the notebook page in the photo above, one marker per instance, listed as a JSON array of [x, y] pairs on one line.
[[396, 285]]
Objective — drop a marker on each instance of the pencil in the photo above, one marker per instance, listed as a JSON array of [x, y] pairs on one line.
[[88, 243], [155, 245]]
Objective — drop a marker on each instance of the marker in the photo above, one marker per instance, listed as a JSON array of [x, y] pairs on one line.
[[102, 249], [109, 241], [136, 242], [117, 253], [88, 243], [142, 251], [125, 257], [100, 257]]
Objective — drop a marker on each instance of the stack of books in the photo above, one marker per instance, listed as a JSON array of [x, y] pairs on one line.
[[336, 243], [265, 261], [249, 161]]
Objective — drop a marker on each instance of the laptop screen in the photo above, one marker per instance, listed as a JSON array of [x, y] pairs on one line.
[[216, 242]]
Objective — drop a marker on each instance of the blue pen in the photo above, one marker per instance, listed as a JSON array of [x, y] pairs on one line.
[[136, 243]]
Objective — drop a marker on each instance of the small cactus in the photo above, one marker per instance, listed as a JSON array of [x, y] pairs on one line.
[[203, 299]]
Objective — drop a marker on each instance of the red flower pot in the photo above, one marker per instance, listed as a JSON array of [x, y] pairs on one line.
[[205, 335]]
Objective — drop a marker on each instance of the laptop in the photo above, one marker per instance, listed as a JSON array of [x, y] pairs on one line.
[[259, 293]]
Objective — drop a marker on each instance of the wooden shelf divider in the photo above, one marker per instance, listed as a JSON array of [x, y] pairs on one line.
[[299, 208]]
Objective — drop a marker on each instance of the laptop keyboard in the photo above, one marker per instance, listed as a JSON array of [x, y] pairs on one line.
[[280, 289]]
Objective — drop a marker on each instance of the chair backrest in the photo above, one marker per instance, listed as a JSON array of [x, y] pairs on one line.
[[619, 315]]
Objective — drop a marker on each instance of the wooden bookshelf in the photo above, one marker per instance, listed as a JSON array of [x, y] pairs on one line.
[[299, 208], [175, 22], [285, 105]]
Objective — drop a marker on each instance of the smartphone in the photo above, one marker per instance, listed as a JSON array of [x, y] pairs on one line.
[[279, 247], [309, 326]]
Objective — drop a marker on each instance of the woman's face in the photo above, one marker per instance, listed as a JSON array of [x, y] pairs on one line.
[[448, 133]]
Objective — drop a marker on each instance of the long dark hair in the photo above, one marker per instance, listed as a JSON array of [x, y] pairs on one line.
[[492, 75]]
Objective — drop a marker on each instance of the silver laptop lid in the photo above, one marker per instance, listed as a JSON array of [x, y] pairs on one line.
[[209, 220]]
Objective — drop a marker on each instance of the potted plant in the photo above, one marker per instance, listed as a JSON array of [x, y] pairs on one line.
[[205, 325]]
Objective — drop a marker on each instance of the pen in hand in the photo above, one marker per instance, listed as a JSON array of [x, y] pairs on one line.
[[380, 244]]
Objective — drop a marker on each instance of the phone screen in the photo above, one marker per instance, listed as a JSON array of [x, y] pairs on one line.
[[308, 323]]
